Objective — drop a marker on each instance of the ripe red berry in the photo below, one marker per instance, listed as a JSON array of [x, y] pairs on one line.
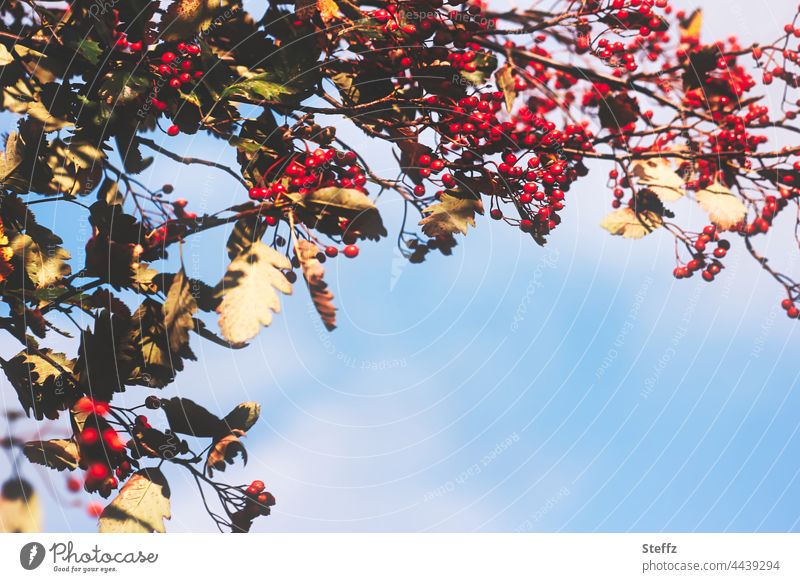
[[94, 509], [351, 251], [168, 57], [331, 251], [89, 436], [73, 484], [173, 130], [97, 471]]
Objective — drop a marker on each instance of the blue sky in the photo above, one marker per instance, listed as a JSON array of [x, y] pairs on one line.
[[576, 387]]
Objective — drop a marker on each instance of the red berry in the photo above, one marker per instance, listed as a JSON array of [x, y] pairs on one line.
[[94, 509], [97, 471], [173, 130], [168, 57], [351, 251], [73, 484], [89, 436], [257, 486], [331, 251]]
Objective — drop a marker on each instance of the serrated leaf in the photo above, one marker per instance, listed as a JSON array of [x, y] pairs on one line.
[[450, 215], [245, 233], [627, 223], [179, 308], [257, 88], [41, 385], [314, 274], [185, 18], [725, 209], [45, 265], [155, 364], [248, 292], [657, 175], [504, 78], [141, 506], [243, 417], [57, 454]]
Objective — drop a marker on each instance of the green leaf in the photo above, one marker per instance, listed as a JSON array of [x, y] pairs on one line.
[[89, 50], [258, 88], [141, 506]]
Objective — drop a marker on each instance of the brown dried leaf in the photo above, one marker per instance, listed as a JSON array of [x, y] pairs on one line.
[[314, 274]]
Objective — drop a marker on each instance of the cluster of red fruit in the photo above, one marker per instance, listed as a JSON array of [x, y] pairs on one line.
[[102, 451], [304, 173], [709, 266]]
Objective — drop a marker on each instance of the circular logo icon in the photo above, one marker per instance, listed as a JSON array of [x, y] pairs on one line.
[[31, 555]]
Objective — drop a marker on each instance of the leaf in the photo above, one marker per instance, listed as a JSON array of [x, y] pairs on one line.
[[450, 215], [248, 292], [20, 511], [41, 385], [618, 110], [178, 309], [328, 205], [657, 175], [187, 417], [504, 77], [141, 506], [185, 18], [243, 417], [45, 265], [258, 88], [155, 363], [224, 451], [725, 210], [246, 232], [627, 223], [328, 10], [314, 274], [57, 454], [690, 26], [12, 157], [88, 49]]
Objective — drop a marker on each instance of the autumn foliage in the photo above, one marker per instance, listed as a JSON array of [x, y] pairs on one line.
[[499, 115]]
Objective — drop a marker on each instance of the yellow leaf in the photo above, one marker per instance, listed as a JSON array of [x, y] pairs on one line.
[[724, 209], [248, 292], [627, 223], [450, 215], [141, 506], [657, 175]]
